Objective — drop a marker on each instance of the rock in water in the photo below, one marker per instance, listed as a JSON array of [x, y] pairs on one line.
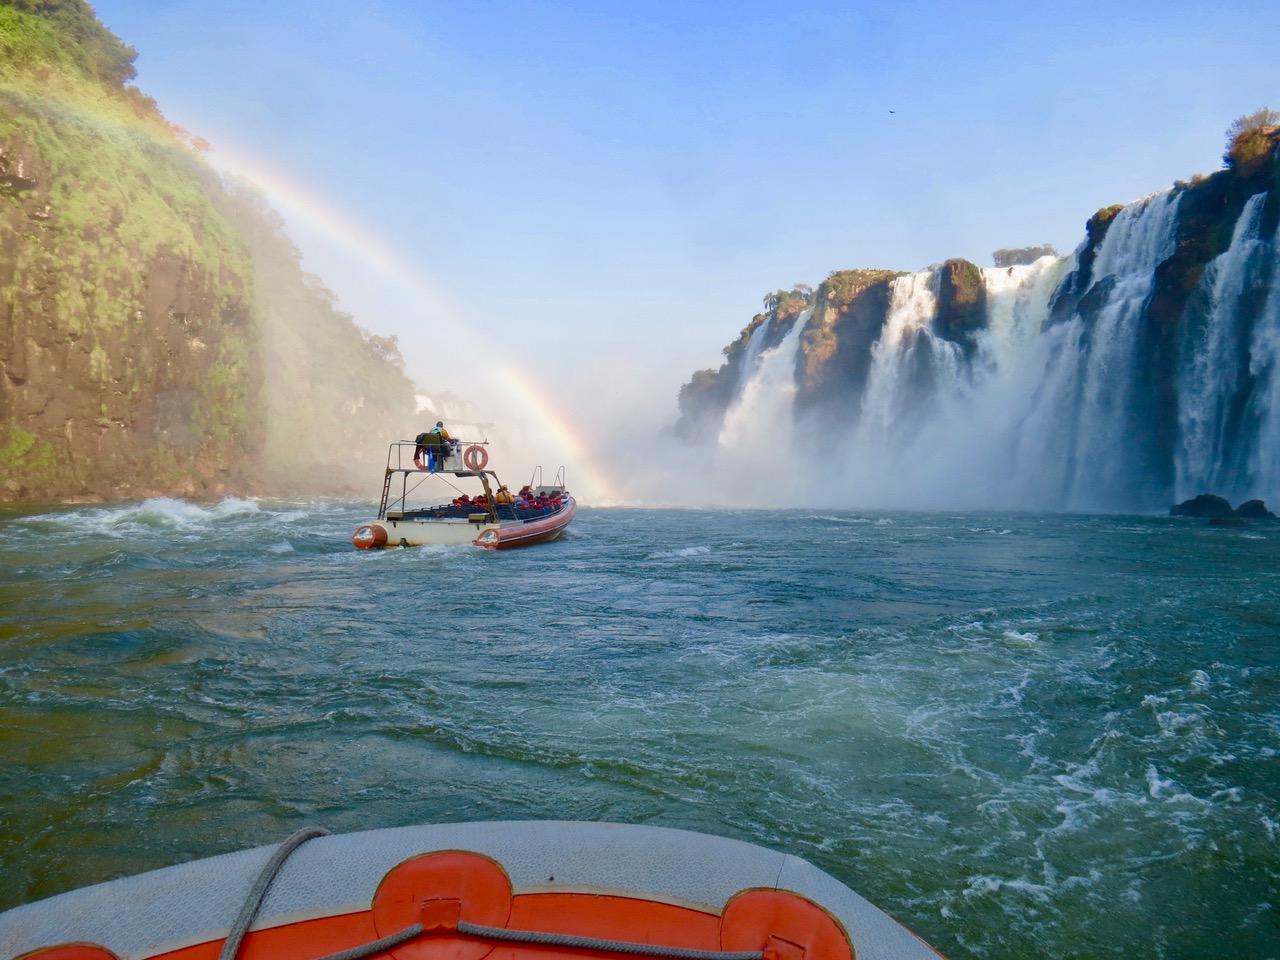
[[1254, 510], [1205, 505]]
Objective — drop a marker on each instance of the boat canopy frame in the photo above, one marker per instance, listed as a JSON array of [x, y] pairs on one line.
[[401, 451]]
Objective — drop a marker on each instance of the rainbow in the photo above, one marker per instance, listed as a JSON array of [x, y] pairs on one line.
[[305, 209], [590, 481], [587, 478]]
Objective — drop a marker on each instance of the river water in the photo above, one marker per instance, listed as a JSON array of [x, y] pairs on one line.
[[1021, 735]]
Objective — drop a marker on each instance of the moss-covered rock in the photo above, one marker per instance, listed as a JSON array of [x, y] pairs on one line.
[[850, 308], [962, 303]]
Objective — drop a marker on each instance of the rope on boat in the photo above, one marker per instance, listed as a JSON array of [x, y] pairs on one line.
[[378, 946], [258, 892], [612, 946]]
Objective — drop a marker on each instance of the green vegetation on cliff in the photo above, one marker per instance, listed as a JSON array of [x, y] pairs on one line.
[[1251, 141], [1022, 256], [138, 331]]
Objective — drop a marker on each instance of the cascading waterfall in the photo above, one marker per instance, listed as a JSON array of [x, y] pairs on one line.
[[945, 424], [1214, 375], [1052, 405], [1264, 368], [758, 423], [906, 362], [763, 401], [915, 383]]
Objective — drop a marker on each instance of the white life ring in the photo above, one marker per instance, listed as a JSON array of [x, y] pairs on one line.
[[475, 457]]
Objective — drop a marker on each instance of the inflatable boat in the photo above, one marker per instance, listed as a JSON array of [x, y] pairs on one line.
[[425, 501], [504, 891]]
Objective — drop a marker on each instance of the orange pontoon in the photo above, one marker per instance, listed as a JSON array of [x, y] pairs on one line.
[[480, 891]]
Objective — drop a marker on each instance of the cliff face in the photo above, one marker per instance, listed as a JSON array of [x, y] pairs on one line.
[[1141, 367], [134, 317], [127, 319]]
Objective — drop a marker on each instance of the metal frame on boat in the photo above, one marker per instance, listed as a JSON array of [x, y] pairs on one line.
[[408, 517]]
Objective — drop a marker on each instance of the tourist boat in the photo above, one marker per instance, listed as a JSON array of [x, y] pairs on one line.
[[535, 890], [424, 501]]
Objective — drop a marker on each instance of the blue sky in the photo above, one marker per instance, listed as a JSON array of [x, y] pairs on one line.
[[601, 193]]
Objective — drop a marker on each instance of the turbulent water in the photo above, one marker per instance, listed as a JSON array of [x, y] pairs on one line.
[[1022, 735]]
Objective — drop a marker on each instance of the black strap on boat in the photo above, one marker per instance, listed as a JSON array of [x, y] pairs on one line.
[[258, 892]]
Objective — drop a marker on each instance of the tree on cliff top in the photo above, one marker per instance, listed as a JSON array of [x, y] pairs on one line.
[[98, 51], [1251, 139], [1022, 256]]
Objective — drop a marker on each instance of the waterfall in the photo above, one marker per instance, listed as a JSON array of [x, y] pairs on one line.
[[1101, 466], [936, 426], [1264, 368], [756, 430], [766, 388], [1214, 374], [904, 362], [1066, 394]]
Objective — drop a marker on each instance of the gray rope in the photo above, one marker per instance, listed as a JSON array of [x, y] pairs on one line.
[[378, 946], [613, 946], [258, 892]]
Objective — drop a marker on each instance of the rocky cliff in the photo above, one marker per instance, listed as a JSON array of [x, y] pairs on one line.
[[1142, 368], [148, 311]]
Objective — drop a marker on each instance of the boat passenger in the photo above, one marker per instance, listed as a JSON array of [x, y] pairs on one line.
[[424, 451], [503, 497]]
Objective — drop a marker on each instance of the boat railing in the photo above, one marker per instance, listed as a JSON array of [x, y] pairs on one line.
[[408, 458], [538, 487], [438, 455]]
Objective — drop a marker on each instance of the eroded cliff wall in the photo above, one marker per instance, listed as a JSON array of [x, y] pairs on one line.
[[157, 332]]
